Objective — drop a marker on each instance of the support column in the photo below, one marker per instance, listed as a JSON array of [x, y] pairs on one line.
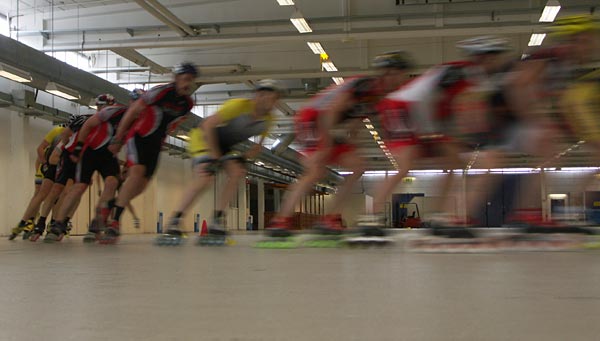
[[242, 205], [261, 204], [544, 194], [276, 199]]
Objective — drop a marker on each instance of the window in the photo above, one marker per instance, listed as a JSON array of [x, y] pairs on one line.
[[78, 60], [4, 26], [205, 110]]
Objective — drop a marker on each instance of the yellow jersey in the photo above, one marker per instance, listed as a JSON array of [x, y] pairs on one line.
[[237, 125]]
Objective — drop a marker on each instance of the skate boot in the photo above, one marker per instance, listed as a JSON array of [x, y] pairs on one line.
[[18, 229], [38, 231], [28, 229], [279, 235], [330, 225], [68, 230], [56, 232], [328, 230], [94, 231], [112, 233], [370, 232], [217, 234], [449, 226], [173, 236]]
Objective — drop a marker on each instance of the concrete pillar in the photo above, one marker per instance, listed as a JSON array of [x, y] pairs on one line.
[[261, 204]]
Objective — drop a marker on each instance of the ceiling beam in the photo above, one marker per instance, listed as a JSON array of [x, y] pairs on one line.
[[172, 17], [162, 17], [141, 60], [324, 35]]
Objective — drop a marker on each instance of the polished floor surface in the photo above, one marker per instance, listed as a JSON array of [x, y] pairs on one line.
[[137, 291]]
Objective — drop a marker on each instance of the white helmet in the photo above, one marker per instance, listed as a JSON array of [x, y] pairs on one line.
[[268, 85], [483, 45]]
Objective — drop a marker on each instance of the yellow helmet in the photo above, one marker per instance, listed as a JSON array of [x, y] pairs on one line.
[[571, 25]]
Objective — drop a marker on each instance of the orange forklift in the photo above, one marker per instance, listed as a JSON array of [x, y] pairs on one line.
[[410, 217]]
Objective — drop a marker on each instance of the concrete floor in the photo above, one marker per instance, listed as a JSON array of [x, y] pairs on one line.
[[137, 291]]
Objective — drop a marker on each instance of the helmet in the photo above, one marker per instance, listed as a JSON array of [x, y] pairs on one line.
[[268, 85], [135, 94], [396, 60], [185, 68], [105, 99], [572, 25], [483, 45]]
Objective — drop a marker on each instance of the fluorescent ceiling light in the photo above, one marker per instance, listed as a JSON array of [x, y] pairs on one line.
[[338, 80], [285, 2], [550, 11], [316, 47], [329, 66], [537, 39], [300, 23], [183, 137], [93, 107], [14, 74], [369, 126], [62, 91]]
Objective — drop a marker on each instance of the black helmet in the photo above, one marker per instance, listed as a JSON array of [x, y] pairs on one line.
[[135, 94], [105, 99], [185, 68], [395, 60]]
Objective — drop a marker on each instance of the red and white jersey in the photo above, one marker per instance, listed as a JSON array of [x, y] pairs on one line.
[[75, 125], [165, 109], [426, 104], [101, 135], [364, 90]]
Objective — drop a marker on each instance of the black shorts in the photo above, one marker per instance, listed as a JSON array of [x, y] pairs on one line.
[[49, 171], [65, 169], [101, 160], [144, 151]]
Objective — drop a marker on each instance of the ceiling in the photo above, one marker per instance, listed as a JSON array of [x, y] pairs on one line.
[[237, 41]]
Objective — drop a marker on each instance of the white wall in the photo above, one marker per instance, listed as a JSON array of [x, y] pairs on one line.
[[17, 157]]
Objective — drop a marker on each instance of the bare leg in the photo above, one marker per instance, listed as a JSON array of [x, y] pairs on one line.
[[52, 199], [70, 201], [110, 188], [481, 183], [201, 180], [314, 170], [404, 157], [355, 163], [134, 185], [235, 171], [451, 160], [38, 198]]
